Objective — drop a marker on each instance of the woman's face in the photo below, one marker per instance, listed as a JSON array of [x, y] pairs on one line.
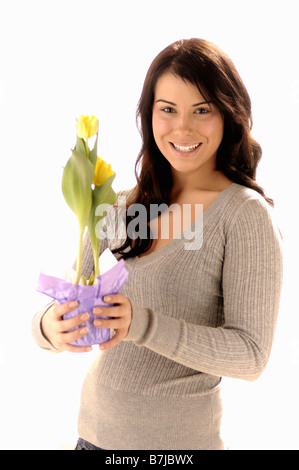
[[187, 129]]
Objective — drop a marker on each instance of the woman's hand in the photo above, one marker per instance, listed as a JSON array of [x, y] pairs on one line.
[[120, 317], [56, 330]]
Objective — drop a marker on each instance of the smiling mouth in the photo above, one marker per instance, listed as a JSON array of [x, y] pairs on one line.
[[185, 148]]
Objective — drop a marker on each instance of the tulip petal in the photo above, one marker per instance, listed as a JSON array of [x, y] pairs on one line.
[[102, 172], [87, 126]]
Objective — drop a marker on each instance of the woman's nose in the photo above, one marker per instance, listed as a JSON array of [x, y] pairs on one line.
[[184, 123]]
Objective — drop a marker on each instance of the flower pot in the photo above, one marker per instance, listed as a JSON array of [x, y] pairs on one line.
[[88, 298]]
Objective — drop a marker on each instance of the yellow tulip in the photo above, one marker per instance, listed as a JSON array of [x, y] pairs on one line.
[[87, 126], [102, 172]]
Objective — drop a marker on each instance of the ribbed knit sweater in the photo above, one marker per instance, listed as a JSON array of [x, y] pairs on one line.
[[198, 315]]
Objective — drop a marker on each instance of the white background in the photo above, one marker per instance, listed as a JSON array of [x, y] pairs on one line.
[[60, 59]]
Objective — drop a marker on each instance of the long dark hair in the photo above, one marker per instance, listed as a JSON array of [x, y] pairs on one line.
[[206, 66]]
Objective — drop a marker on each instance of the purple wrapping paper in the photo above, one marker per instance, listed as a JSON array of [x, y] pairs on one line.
[[88, 297]]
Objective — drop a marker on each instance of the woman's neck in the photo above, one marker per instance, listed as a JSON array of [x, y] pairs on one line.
[[189, 183]]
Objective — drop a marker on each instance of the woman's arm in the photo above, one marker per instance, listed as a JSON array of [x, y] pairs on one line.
[[252, 279]]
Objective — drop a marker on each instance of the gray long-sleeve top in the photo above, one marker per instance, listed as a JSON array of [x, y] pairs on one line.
[[198, 315]]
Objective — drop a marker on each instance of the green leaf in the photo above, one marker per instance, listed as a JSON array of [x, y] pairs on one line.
[[93, 153], [91, 279], [76, 186], [100, 195], [80, 146]]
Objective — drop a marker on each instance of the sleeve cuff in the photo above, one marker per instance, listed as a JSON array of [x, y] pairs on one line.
[[37, 332], [155, 331]]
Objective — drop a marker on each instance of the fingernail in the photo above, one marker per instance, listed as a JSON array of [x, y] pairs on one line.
[[83, 331], [97, 310], [74, 303], [107, 299], [84, 317]]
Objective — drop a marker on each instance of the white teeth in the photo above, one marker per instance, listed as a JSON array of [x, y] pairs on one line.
[[185, 149]]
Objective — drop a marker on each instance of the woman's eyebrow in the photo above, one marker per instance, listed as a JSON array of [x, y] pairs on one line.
[[173, 104], [203, 102], [165, 101]]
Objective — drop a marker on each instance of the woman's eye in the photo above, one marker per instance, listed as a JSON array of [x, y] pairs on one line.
[[168, 110], [202, 111]]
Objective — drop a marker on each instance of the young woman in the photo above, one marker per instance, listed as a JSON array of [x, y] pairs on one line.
[[190, 313]]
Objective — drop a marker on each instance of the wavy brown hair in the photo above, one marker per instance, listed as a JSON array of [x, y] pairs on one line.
[[208, 68]]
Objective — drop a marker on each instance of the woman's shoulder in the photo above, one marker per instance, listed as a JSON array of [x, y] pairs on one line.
[[240, 199], [249, 211], [245, 194], [122, 198], [114, 222], [124, 195]]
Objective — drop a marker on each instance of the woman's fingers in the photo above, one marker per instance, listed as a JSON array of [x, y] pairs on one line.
[[61, 309], [70, 323], [119, 318], [70, 337], [63, 340], [115, 340], [61, 332], [57, 330]]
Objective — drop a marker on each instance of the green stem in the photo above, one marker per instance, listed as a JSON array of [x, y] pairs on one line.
[[87, 148], [80, 256], [96, 264]]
